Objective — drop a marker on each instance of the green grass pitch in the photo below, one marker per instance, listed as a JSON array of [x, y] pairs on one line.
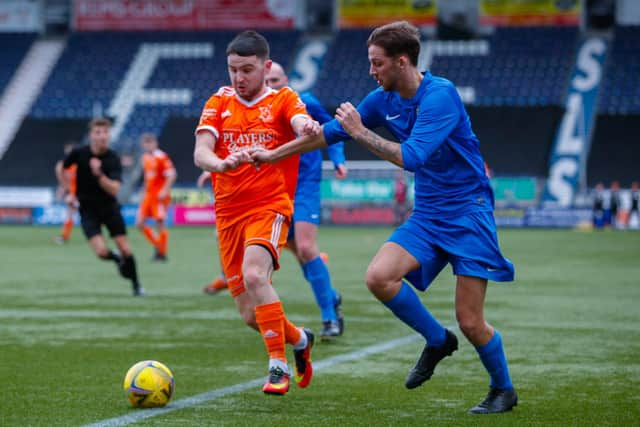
[[69, 330]]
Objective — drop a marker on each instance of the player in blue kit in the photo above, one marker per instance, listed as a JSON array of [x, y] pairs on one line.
[[302, 239], [452, 222]]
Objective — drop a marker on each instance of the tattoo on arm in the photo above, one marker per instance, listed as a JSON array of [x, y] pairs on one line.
[[383, 148]]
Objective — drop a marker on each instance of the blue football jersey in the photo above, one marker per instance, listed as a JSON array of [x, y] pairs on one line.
[[437, 144]]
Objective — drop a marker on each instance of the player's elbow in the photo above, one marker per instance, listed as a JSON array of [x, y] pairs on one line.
[[197, 158]]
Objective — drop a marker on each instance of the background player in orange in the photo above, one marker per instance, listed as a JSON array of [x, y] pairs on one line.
[[67, 187], [159, 176], [254, 205]]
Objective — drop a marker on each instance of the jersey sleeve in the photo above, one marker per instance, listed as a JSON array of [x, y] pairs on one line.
[[438, 116], [319, 113], [333, 132], [167, 166], [70, 159], [210, 116], [294, 107]]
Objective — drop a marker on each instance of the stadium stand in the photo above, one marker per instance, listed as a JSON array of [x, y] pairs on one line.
[[614, 154], [14, 46], [527, 68], [90, 72], [524, 67], [86, 80], [344, 75], [620, 94]]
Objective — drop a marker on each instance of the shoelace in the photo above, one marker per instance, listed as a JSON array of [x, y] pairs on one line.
[[276, 375]]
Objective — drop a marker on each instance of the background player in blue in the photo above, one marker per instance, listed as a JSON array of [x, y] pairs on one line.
[[303, 234], [452, 221]]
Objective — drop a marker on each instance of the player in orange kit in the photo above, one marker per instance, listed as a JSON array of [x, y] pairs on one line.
[[159, 176], [254, 205], [67, 193]]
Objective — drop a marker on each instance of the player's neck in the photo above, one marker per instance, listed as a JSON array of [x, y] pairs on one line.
[[96, 149], [409, 84], [259, 94]]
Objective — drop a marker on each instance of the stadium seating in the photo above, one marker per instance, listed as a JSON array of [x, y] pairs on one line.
[[345, 72], [524, 66], [14, 46], [93, 66], [620, 94]]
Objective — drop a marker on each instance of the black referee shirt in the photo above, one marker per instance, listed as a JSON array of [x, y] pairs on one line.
[[89, 190]]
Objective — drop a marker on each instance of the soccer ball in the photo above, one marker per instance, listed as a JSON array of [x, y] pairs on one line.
[[148, 384]]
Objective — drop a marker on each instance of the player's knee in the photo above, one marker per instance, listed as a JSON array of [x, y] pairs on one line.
[[307, 251], [470, 324], [253, 278], [376, 280]]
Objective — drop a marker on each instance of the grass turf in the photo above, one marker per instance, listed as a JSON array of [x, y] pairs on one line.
[[69, 330]]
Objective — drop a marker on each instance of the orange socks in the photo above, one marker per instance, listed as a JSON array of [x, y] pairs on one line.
[[160, 242], [150, 235], [66, 229], [163, 239], [271, 321], [292, 332]]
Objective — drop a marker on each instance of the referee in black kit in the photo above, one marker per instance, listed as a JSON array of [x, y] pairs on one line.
[[98, 180]]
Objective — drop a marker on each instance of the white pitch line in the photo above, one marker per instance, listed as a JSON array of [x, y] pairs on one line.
[[237, 388]]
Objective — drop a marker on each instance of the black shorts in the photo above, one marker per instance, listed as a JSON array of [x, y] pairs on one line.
[[93, 217]]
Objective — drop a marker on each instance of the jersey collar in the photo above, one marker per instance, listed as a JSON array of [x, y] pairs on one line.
[[243, 101]]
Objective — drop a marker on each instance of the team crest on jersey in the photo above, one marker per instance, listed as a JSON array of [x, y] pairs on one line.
[[265, 114]]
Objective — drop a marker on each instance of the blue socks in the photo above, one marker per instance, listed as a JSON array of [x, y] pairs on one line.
[[317, 274], [495, 362], [407, 307]]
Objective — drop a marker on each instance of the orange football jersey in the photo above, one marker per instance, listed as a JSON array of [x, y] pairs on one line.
[[156, 166], [239, 125]]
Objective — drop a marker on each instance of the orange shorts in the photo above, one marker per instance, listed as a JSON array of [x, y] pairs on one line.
[[152, 207], [268, 229]]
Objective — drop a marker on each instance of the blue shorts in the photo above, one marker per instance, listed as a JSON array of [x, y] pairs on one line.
[[469, 243], [306, 206]]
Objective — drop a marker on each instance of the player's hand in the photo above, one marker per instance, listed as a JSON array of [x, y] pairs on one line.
[[96, 166], [162, 194], [349, 118], [311, 127], [234, 160], [341, 172], [260, 156], [71, 200]]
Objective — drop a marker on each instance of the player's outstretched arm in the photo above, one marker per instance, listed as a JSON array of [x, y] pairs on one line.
[[349, 118], [299, 145], [205, 158]]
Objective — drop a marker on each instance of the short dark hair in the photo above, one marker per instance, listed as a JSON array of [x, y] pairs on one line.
[[397, 38], [249, 43], [99, 121]]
